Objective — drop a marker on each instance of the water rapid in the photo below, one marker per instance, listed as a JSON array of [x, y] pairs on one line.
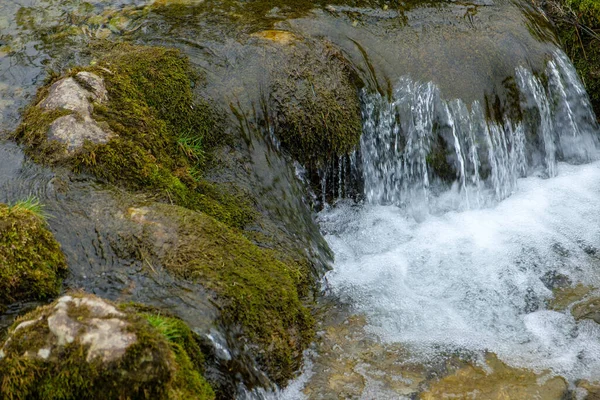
[[470, 266]]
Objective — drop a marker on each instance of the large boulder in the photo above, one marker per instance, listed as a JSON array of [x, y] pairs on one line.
[[84, 347]]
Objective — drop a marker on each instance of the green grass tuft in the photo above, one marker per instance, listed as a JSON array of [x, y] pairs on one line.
[[168, 327], [33, 205]]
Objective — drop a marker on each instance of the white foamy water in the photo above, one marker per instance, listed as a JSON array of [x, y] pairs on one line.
[[474, 279]]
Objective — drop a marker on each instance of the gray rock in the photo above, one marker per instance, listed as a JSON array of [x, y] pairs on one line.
[[67, 94], [95, 83], [73, 130], [77, 94]]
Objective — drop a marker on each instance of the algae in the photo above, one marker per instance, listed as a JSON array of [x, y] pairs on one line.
[[31, 262]]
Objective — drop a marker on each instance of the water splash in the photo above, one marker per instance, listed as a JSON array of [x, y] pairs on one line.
[[414, 142]]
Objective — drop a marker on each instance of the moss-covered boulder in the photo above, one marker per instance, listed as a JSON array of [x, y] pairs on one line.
[[132, 119], [314, 98], [31, 261], [256, 289], [84, 347]]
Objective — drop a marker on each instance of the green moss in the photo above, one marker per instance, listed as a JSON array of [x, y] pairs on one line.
[[255, 289], [163, 135], [31, 261], [578, 27], [152, 368], [188, 381], [317, 110]]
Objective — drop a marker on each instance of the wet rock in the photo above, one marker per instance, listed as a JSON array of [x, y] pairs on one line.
[[316, 109], [76, 94], [350, 363], [82, 346], [588, 309], [496, 380], [588, 390], [565, 296], [256, 289]]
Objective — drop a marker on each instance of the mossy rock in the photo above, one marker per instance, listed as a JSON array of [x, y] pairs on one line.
[[315, 102], [31, 261], [84, 347], [160, 134], [255, 290]]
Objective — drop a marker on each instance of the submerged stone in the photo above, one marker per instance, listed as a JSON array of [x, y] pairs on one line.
[[587, 309], [567, 295], [496, 380]]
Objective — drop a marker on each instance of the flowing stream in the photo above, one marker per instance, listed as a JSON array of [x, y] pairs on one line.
[[470, 267]]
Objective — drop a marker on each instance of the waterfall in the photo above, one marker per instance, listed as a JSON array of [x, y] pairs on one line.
[[417, 139], [467, 221]]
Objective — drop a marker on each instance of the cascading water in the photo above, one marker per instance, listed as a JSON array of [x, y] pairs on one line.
[[418, 137], [469, 266]]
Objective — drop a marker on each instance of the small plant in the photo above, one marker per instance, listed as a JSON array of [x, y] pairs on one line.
[[191, 146], [168, 327], [33, 205]]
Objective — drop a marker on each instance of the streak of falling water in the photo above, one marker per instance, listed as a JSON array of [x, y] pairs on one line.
[[401, 140]]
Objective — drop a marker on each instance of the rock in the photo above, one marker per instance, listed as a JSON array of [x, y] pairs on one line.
[[565, 296], [31, 261], [82, 346], [588, 309], [66, 94], [588, 390], [95, 85], [496, 381], [76, 94], [74, 130]]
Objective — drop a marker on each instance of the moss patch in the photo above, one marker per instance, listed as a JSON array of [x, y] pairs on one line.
[[255, 289], [316, 105], [31, 261], [188, 381], [154, 367], [163, 135]]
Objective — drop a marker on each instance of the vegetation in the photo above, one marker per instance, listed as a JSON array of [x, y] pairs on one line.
[[163, 135], [256, 290], [578, 26], [156, 366], [31, 261], [188, 381], [317, 110]]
